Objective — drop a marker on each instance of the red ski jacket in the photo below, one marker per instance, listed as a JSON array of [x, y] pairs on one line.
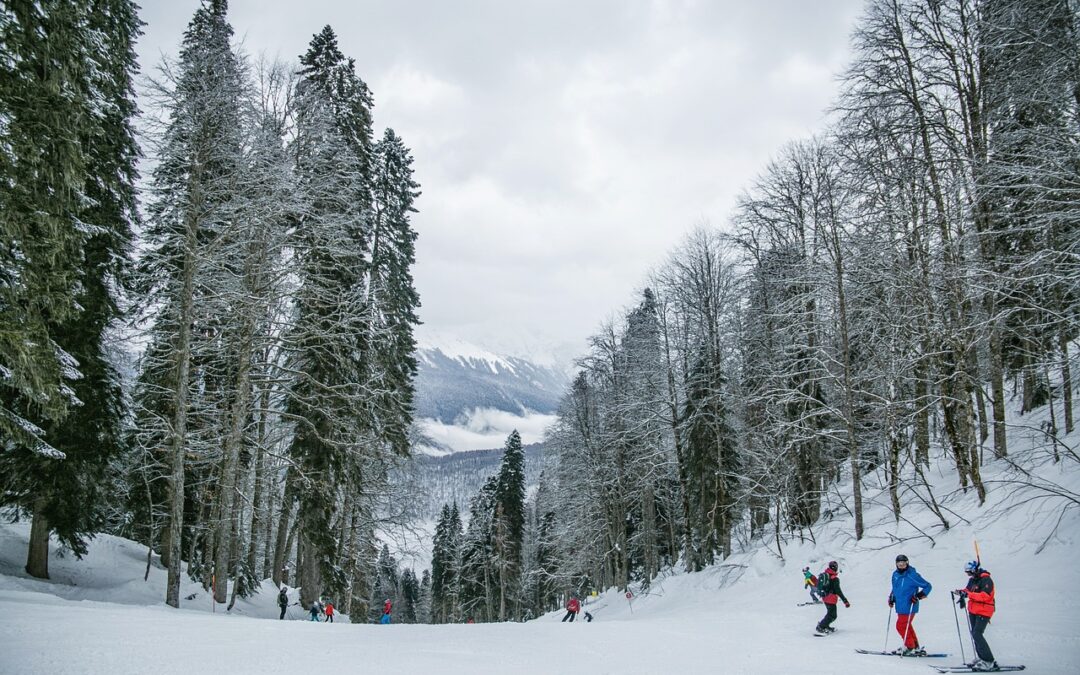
[[329, 609], [980, 594], [573, 606]]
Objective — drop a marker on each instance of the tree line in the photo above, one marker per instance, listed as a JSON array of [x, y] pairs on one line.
[[222, 366], [881, 290]]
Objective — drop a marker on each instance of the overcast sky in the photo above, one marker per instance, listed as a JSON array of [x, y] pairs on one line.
[[563, 147]]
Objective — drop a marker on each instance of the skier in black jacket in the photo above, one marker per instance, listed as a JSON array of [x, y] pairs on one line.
[[829, 587], [283, 601]]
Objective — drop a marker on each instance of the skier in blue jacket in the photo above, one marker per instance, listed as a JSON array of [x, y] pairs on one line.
[[908, 588]]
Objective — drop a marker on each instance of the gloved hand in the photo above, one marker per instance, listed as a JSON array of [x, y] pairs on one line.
[[892, 601], [914, 599], [847, 604], [920, 595], [961, 591]]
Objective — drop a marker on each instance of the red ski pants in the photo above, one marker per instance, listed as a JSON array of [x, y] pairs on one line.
[[907, 630]]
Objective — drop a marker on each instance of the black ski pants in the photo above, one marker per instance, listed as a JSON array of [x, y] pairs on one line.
[[283, 608], [569, 615], [978, 625], [830, 616]]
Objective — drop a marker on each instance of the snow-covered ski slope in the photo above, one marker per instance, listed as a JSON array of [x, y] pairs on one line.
[[99, 616]]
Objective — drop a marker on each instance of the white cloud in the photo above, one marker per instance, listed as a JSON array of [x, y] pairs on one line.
[[487, 428]]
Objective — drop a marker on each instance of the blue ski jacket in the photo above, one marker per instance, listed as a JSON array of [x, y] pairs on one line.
[[905, 586]]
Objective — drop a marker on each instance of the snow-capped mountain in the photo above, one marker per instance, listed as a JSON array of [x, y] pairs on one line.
[[455, 378], [469, 397]]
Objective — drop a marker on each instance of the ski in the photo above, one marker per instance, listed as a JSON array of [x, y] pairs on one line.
[[968, 669], [908, 656], [817, 634], [804, 604]]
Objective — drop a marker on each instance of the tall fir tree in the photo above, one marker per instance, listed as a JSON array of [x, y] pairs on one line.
[[509, 527], [329, 340], [68, 497]]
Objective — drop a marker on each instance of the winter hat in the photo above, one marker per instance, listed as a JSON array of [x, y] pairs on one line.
[[972, 567], [901, 558]]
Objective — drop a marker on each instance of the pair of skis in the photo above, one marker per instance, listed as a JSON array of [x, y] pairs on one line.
[[941, 669], [968, 669], [906, 656]]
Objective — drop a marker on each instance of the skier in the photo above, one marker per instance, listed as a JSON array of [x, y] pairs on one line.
[[387, 606], [908, 588], [314, 610], [283, 601], [829, 586], [329, 611], [573, 606], [810, 581], [979, 597]]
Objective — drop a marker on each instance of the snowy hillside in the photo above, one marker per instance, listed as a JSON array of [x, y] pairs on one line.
[[741, 616]]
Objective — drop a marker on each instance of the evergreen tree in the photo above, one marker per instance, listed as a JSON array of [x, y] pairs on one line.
[[330, 346], [46, 105], [509, 526], [392, 297], [68, 497]]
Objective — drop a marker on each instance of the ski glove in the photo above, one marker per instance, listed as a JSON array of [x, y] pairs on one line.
[[892, 601], [920, 595], [847, 604]]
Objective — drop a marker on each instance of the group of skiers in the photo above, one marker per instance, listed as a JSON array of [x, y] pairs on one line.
[[908, 590], [324, 607]]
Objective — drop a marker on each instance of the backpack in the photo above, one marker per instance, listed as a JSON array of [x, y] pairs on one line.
[[824, 584], [815, 581]]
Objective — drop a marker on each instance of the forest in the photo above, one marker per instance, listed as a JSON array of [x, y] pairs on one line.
[[216, 359]]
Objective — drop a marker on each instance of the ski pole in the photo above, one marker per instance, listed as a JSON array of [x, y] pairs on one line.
[[958, 636], [907, 629], [888, 622]]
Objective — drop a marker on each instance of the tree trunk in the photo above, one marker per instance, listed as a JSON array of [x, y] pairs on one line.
[[281, 546], [997, 383], [1066, 382], [179, 423], [37, 556]]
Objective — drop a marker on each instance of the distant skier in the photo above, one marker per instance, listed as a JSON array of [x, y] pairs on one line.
[[387, 606], [810, 581], [283, 600], [829, 587], [314, 610], [573, 606], [979, 597], [908, 588], [328, 609]]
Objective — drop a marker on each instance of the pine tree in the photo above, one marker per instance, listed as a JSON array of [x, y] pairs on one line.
[[392, 298], [67, 497], [509, 526], [46, 108], [330, 349]]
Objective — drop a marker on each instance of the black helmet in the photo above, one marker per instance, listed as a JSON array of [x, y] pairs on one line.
[[901, 558], [833, 565]]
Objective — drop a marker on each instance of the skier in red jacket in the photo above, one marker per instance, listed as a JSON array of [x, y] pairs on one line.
[[328, 610], [979, 597], [572, 608]]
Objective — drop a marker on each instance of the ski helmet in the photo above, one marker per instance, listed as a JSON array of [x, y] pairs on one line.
[[833, 565], [972, 566], [901, 558]]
